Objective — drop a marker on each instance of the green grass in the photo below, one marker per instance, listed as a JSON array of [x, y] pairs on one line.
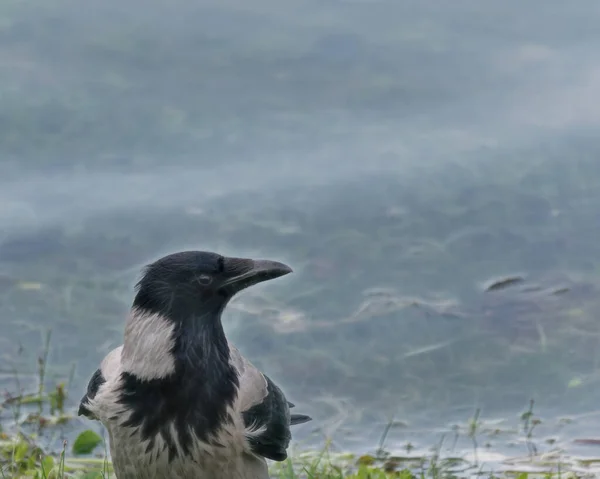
[[22, 458]]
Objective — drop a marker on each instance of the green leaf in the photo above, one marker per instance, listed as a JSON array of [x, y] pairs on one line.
[[47, 464], [86, 442], [406, 474], [20, 451]]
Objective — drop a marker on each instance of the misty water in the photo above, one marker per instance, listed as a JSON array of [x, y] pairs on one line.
[[400, 156]]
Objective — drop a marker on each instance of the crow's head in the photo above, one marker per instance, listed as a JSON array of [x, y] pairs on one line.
[[198, 283]]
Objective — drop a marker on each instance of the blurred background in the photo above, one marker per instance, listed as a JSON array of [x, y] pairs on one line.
[[430, 170]]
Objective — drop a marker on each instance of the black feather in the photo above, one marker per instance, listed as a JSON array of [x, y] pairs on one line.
[[299, 419], [94, 384], [195, 398], [273, 413]]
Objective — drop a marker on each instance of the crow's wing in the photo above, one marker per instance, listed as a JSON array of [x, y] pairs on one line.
[[265, 410], [92, 389], [109, 366]]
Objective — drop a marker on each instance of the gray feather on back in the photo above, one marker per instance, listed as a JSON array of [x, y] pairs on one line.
[[253, 385]]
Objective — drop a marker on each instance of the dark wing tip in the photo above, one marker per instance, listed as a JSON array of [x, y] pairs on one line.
[[296, 419], [94, 384], [84, 411], [279, 457]]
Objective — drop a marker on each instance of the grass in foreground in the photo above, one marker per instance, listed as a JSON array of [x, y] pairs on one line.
[[33, 444], [22, 458], [26, 451]]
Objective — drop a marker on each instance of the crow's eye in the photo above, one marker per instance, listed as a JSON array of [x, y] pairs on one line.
[[204, 279]]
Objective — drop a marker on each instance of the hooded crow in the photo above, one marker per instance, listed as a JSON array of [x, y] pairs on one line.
[[177, 399]]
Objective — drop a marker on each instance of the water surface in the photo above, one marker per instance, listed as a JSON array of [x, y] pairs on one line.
[[399, 155]]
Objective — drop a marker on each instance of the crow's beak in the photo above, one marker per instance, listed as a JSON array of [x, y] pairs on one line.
[[240, 273]]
